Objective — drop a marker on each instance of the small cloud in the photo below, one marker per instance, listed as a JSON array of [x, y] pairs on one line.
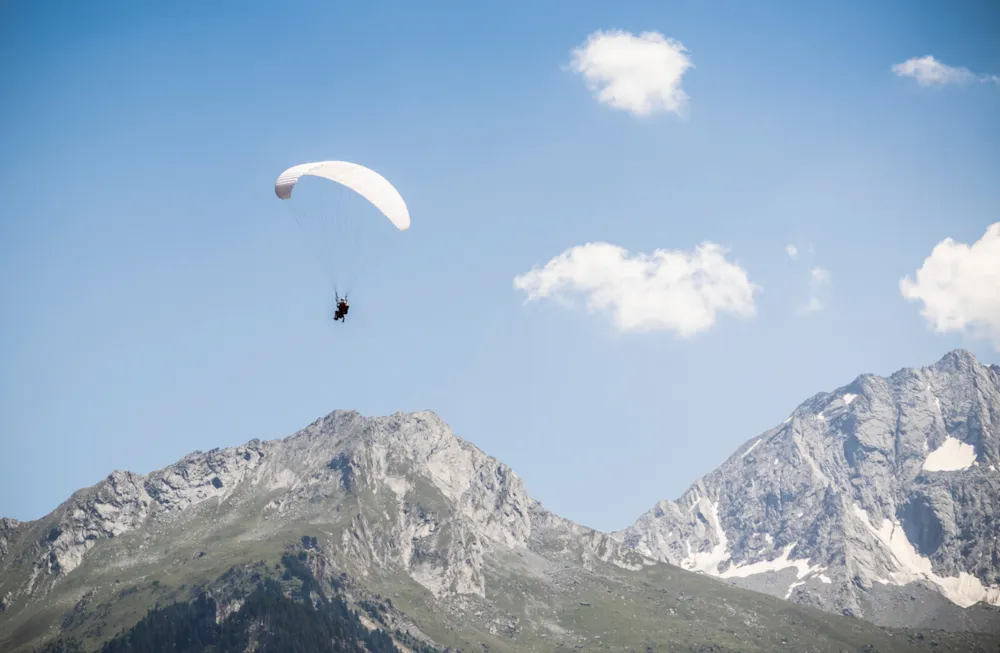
[[667, 290], [814, 305], [959, 286], [819, 280], [640, 74], [928, 71], [819, 276]]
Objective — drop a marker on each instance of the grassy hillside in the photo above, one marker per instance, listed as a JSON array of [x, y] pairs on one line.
[[528, 607]]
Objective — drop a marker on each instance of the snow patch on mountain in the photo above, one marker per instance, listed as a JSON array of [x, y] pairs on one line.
[[801, 566], [752, 447], [710, 525], [965, 590], [953, 455]]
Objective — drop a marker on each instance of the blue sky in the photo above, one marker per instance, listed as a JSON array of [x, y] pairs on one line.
[[159, 299]]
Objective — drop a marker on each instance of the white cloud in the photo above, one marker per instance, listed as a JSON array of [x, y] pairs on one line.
[[792, 250], [959, 286], [668, 290], [928, 71], [814, 305], [641, 74], [819, 276], [819, 280]]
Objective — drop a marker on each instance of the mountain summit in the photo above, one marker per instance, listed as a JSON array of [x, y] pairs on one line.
[[880, 499]]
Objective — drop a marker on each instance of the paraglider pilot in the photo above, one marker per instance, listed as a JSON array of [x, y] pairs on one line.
[[342, 308]]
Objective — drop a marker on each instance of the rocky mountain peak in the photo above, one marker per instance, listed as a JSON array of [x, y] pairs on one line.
[[881, 485], [437, 491], [956, 361]]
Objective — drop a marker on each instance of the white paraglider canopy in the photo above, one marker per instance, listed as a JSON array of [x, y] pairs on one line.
[[364, 181]]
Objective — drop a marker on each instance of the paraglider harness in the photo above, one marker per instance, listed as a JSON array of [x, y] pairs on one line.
[[342, 308]]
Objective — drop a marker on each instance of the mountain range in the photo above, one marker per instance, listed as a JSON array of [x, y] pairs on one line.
[[865, 521]]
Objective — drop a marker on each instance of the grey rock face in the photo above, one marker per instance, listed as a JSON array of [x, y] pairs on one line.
[[418, 498], [8, 530], [884, 483]]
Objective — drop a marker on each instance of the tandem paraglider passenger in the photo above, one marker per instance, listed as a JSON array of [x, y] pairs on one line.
[[342, 308]]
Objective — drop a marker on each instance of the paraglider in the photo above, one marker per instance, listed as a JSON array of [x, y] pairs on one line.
[[363, 181], [342, 308]]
